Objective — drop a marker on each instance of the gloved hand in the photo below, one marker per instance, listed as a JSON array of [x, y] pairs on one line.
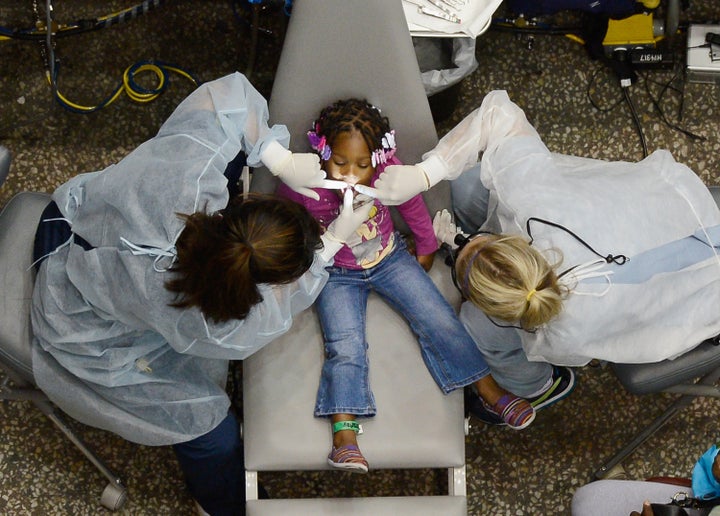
[[345, 226], [397, 184], [445, 230], [300, 171]]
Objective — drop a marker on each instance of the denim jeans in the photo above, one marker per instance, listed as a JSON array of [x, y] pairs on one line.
[[502, 348], [470, 200], [214, 469], [451, 356]]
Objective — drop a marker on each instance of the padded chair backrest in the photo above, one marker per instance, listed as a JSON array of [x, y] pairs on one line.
[[322, 62], [18, 222]]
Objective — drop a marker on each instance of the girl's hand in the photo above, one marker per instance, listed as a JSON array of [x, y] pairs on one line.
[[426, 260]]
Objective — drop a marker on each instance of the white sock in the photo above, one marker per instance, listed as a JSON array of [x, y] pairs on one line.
[[542, 389]]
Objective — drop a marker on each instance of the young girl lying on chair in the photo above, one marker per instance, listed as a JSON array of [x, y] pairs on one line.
[[355, 143]]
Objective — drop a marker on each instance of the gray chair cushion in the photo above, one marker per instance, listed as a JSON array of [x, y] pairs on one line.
[[4, 163], [333, 50], [416, 425], [18, 222], [656, 377]]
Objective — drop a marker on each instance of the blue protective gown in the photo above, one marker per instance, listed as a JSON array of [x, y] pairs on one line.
[[108, 349]]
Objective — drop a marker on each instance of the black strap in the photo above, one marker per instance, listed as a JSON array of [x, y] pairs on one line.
[[618, 259]]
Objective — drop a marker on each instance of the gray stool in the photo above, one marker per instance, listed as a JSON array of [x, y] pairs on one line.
[[18, 221], [693, 374]]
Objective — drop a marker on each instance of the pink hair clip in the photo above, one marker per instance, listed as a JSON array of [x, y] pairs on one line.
[[319, 143], [387, 150]]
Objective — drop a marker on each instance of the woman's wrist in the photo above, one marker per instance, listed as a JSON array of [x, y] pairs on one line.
[[434, 168]]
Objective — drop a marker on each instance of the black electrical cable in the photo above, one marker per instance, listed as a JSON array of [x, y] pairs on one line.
[[591, 81], [83, 25], [636, 119], [503, 25], [656, 103]]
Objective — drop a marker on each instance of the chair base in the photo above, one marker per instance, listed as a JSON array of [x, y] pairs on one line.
[[455, 502], [114, 495], [378, 506], [703, 386]]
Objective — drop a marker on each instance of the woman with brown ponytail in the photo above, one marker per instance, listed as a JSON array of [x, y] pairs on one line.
[[150, 279]]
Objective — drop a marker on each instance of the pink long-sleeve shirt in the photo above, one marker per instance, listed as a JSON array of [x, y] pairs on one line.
[[376, 237]]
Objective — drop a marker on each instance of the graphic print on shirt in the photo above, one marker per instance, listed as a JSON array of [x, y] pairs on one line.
[[366, 243]]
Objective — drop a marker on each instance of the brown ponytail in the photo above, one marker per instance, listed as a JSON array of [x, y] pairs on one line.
[[222, 257]]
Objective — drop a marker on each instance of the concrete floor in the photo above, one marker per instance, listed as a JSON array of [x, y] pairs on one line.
[[531, 472]]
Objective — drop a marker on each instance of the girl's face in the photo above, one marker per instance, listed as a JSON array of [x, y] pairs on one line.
[[350, 159]]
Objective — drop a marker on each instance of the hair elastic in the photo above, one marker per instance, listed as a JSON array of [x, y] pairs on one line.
[[530, 295], [319, 143]]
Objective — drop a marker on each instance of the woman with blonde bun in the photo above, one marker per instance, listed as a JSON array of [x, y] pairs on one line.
[[509, 280], [510, 288], [610, 260]]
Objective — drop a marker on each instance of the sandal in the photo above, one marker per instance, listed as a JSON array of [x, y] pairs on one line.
[[348, 457], [517, 413]]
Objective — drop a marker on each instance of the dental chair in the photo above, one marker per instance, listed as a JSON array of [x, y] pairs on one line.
[[691, 375], [18, 221], [334, 50]]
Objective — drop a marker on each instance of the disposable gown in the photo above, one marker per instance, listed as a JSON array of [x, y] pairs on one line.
[[657, 213], [108, 349]]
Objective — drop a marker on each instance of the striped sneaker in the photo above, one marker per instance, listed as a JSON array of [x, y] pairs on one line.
[[515, 412], [563, 384], [349, 458]]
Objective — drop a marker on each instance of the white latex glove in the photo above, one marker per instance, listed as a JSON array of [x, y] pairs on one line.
[[344, 226], [397, 184], [445, 229], [300, 171]]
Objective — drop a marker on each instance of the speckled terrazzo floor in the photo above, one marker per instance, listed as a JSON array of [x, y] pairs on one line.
[[533, 472]]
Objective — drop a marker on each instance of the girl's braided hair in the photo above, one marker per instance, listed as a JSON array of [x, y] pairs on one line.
[[348, 114]]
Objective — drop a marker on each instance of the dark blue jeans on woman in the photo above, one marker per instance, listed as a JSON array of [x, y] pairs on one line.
[[214, 469]]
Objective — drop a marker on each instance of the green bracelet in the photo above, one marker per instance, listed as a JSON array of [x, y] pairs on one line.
[[347, 425]]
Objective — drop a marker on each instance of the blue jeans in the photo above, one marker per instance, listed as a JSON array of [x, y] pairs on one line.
[[502, 348], [214, 469], [449, 352], [470, 200]]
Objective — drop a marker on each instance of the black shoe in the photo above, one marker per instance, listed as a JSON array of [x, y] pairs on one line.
[[563, 385], [475, 407]]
